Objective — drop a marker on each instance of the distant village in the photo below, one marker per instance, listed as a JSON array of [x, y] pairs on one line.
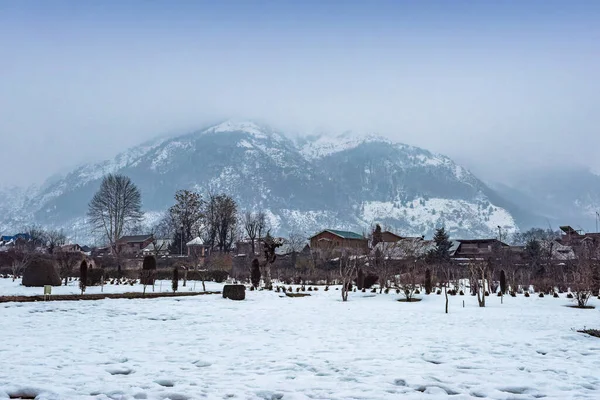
[[209, 239]]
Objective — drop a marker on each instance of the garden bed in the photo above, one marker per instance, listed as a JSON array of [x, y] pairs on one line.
[[99, 296]]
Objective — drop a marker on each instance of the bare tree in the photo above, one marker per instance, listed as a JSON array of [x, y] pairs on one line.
[[67, 261], [271, 244], [585, 273], [220, 222], [186, 216], [55, 238], [348, 266], [20, 261], [115, 207], [250, 223], [262, 224], [479, 269]]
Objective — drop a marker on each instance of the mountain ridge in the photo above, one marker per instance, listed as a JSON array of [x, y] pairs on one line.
[[347, 181]]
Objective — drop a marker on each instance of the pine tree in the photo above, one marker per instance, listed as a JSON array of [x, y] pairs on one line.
[[440, 256], [175, 280]]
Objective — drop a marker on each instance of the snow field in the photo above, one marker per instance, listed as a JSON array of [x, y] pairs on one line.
[[274, 347]]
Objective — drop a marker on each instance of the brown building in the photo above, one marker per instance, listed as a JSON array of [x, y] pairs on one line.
[[133, 245], [476, 249], [334, 240]]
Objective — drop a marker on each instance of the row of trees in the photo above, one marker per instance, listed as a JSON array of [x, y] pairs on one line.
[[116, 210]]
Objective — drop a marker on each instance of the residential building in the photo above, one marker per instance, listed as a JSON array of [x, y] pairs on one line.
[[133, 245], [336, 241]]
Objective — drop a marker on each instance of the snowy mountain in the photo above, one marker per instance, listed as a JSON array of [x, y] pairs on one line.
[[349, 181]]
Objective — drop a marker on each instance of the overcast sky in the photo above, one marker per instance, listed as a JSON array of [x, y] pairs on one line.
[[499, 86]]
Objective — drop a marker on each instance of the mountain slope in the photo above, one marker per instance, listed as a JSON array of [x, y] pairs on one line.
[[346, 182]]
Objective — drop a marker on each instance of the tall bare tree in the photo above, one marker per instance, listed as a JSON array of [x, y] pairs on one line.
[[116, 206], [220, 222], [250, 223], [348, 266], [186, 216], [55, 238]]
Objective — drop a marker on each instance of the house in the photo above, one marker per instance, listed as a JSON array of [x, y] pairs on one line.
[[336, 240], [476, 249], [71, 248], [158, 247], [196, 248], [404, 248], [133, 245]]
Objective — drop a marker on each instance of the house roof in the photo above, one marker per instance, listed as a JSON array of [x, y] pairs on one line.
[[159, 244], [134, 239], [195, 242], [342, 234]]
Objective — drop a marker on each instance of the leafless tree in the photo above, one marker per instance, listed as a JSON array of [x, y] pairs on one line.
[[585, 273], [270, 245], [221, 222], [67, 261], [479, 273], [115, 207], [21, 258], [262, 226], [186, 216], [250, 224], [55, 238], [349, 262]]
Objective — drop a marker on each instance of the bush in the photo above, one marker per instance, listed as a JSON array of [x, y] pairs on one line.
[[556, 295], [569, 295], [439, 291], [487, 293], [462, 293], [513, 294], [386, 291], [255, 273], [94, 276], [526, 294], [541, 294]]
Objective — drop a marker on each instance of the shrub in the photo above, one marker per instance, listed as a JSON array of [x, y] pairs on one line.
[[326, 288], [526, 294], [417, 291], [310, 289], [569, 295], [148, 270], [513, 294], [556, 295], [175, 280], [373, 290], [83, 270], [397, 291], [370, 280], [290, 289], [439, 291], [316, 289], [487, 293], [499, 294], [95, 276], [360, 279], [255, 273], [252, 288], [363, 290], [462, 293], [541, 294]]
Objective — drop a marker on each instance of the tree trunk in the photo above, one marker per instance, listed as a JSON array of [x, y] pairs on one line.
[[446, 294], [203, 286], [66, 280], [267, 275]]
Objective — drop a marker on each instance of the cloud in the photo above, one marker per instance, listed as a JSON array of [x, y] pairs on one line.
[[500, 89]]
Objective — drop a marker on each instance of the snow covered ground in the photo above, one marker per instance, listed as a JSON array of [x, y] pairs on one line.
[[273, 347]]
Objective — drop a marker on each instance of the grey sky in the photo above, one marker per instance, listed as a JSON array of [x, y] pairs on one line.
[[498, 90]]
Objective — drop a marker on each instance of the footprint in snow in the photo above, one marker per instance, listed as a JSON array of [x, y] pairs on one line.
[[165, 382], [119, 370], [202, 364]]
